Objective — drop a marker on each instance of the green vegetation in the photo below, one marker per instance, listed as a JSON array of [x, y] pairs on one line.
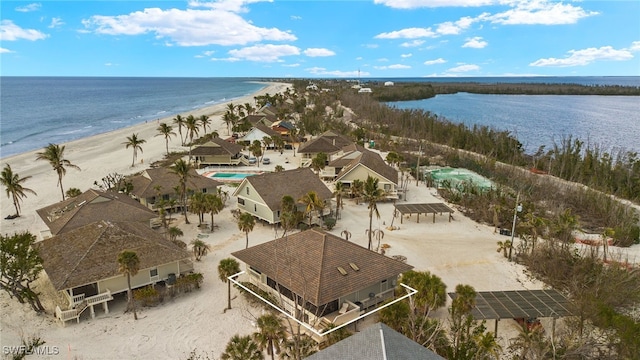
[[20, 266]]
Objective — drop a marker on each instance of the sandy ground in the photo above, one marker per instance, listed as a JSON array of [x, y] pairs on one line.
[[460, 252]]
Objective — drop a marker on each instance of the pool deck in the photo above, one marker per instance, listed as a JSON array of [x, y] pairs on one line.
[[212, 174]]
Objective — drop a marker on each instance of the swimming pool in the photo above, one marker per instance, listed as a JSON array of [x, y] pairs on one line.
[[229, 176]]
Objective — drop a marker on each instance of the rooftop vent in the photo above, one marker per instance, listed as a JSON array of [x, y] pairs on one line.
[[354, 266], [342, 271]]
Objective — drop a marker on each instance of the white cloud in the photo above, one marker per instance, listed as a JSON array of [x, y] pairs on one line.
[[436, 61], [464, 68], [409, 33], [393, 67], [11, 32], [187, 27], [295, 17], [290, 65], [540, 12], [29, 7], [454, 28], [413, 43], [265, 53], [225, 5], [412, 4], [586, 57], [318, 52], [406, 55], [5, 51], [635, 46], [337, 73], [475, 43], [56, 22]]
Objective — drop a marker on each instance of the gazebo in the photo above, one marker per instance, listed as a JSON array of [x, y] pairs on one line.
[[423, 208], [517, 304]]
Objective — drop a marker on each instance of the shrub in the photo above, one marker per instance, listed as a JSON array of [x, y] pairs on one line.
[[254, 300], [329, 222], [147, 296]]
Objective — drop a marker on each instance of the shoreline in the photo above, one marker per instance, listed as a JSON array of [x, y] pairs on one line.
[[99, 155]]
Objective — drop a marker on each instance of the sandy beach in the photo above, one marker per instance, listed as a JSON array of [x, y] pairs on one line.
[[460, 252]]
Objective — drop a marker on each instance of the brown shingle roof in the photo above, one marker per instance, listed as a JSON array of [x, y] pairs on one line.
[[217, 146], [307, 264], [374, 162], [328, 142], [90, 206], [144, 185], [295, 183], [266, 129], [90, 253]]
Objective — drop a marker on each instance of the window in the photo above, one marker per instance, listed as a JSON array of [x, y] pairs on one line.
[[255, 207], [247, 191], [241, 201], [153, 272], [387, 187]]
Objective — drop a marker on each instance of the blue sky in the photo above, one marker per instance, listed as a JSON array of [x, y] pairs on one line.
[[369, 38]]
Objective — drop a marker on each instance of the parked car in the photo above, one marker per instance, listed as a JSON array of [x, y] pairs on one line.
[[266, 161], [252, 160], [288, 147]]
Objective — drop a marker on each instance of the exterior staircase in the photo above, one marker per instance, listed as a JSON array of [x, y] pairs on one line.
[[80, 304]]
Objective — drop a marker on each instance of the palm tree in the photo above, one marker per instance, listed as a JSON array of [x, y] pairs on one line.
[[339, 190], [182, 169], [226, 268], [356, 189], [213, 205], [229, 119], [200, 249], [166, 131], [504, 246], [302, 346], [205, 121], [73, 192], [249, 109], [372, 194], [346, 234], [13, 186], [246, 222], [174, 232], [179, 120], [198, 205], [293, 136], [241, 348], [129, 264], [54, 154], [270, 333], [191, 123], [312, 202], [563, 225], [134, 142], [278, 168], [319, 162]]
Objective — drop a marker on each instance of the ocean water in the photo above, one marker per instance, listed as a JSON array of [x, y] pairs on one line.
[[36, 111], [610, 122]]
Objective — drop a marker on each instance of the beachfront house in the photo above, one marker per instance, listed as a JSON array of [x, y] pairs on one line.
[[258, 132], [219, 152], [255, 119], [91, 206], [156, 186], [329, 143], [362, 163], [261, 195], [376, 342], [82, 263], [335, 280]]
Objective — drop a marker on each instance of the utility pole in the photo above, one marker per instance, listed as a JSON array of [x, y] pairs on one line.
[[418, 164], [516, 210]]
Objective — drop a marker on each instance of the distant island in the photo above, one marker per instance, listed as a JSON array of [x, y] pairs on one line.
[[405, 91]]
